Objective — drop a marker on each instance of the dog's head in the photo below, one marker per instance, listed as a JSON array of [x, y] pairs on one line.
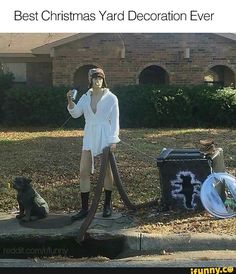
[[21, 183]]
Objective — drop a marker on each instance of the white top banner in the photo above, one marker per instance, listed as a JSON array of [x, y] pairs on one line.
[[118, 16]]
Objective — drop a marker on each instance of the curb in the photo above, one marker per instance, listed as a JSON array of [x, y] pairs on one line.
[[172, 242], [117, 234]]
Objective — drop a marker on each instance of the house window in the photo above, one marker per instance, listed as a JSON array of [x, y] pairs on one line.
[[220, 75], [81, 77], [153, 75], [17, 69]]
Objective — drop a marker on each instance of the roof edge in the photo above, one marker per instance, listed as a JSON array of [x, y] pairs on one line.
[[231, 36], [46, 49], [17, 55]]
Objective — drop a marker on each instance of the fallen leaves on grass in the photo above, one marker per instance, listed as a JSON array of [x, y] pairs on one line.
[[51, 159]]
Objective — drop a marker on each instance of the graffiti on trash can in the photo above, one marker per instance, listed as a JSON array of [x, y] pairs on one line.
[[186, 188]]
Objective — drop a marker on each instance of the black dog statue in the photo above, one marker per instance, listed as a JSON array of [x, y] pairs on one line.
[[32, 206]]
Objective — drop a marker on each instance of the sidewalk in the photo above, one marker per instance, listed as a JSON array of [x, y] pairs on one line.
[[119, 231]]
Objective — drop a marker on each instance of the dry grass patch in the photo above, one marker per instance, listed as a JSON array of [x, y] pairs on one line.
[[51, 158]]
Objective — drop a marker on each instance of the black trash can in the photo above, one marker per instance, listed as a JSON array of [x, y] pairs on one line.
[[182, 172]]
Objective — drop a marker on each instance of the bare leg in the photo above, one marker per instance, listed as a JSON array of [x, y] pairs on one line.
[[85, 170], [108, 182]]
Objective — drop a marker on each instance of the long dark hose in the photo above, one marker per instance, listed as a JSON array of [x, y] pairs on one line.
[[97, 195], [108, 156], [121, 189]]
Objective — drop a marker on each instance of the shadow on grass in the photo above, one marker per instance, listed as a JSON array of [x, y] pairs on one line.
[[52, 162]]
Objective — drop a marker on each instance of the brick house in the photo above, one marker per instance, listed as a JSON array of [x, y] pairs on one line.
[[127, 58]]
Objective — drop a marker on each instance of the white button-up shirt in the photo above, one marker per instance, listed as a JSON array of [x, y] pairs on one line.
[[102, 127]]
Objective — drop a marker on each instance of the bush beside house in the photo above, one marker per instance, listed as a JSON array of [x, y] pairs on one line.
[[140, 106], [175, 106], [6, 82]]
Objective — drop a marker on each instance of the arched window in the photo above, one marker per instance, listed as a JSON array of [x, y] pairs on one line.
[[80, 81], [220, 75], [153, 75]]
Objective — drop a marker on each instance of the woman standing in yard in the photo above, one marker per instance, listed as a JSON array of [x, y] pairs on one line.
[[101, 111]]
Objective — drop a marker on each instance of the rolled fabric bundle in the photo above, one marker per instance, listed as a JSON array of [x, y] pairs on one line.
[[214, 154], [207, 146]]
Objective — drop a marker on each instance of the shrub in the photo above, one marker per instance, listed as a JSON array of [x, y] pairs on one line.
[[37, 106], [6, 82], [140, 106], [176, 106], [136, 108]]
